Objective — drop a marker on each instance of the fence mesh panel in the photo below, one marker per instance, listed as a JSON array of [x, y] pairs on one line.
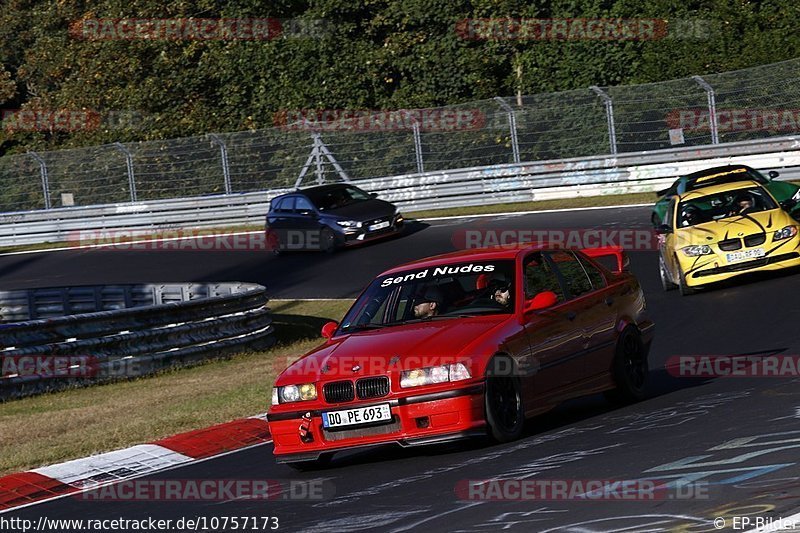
[[752, 103]]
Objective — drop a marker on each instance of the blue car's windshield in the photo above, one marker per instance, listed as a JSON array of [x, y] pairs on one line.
[[481, 287], [336, 197]]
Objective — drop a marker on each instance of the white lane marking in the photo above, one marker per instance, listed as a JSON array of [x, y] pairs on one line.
[[435, 517], [132, 243], [452, 217], [142, 474], [786, 523], [116, 465], [515, 213]]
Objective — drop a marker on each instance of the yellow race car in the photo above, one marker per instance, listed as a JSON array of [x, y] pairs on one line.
[[717, 232]]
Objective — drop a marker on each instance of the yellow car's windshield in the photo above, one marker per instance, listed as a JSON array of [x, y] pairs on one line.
[[721, 205]]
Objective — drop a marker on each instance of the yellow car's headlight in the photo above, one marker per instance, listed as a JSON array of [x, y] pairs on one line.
[[696, 250], [785, 233]]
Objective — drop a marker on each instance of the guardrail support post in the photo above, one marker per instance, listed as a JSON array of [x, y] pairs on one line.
[[512, 124], [129, 163], [318, 151], [45, 178], [223, 152], [609, 103], [712, 107]]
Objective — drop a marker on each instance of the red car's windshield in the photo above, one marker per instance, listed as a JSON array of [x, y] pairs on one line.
[[459, 289]]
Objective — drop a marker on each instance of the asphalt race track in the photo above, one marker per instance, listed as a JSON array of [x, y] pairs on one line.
[[737, 439]]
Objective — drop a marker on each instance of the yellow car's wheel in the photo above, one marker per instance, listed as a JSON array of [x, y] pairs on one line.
[[666, 283]]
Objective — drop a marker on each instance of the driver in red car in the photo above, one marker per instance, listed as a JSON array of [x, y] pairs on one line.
[[429, 304]]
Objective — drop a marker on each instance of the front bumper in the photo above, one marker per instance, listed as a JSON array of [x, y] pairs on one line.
[[416, 420], [713, 268], [357, 236]]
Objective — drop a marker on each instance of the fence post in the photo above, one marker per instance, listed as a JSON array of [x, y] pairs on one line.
[[129, 163], [417, 141], [609, 103], [512, 124], [45, 178], [712, 107], [223, 152]]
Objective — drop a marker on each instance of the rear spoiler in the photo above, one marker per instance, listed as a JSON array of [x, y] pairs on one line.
[[623, 261]]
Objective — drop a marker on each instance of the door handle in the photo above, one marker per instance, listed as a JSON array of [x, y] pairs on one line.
[[571, 315], [609, 301]]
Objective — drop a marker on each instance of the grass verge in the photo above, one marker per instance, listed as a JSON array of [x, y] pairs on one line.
[[66, 425]]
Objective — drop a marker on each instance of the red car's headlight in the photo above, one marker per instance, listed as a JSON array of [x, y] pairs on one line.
[[434, 374]]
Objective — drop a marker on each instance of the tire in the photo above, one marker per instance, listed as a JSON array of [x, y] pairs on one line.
[[505, 414], [685, 290], [327, 241], [666, 283], [630, 368], [273, 240], [315, 464]]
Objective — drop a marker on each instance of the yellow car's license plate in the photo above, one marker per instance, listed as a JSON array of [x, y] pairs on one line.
[[755, 253]]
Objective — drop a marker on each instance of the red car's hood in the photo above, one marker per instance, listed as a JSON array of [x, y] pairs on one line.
[[394, 348]]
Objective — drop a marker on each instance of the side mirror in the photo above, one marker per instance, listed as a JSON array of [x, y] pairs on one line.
[[329, 329], [543, 300], [663, 229], [789, 204], [373, 195], [773, 174]]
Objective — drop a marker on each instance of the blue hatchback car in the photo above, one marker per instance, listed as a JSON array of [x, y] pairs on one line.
[[327, 217]]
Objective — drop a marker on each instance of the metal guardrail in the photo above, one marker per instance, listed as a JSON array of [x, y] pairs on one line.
[[124, 331], [565, 178]]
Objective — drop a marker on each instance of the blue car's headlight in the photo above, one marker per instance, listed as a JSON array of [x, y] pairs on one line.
[[349, 223]]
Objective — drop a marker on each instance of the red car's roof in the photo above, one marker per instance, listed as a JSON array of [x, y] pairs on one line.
[[475, 254]]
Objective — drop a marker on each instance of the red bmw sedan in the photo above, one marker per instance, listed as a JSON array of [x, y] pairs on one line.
[[464, 344]]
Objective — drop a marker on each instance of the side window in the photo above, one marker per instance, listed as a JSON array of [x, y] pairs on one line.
[[286, 205], [669, 217], [573, 273], [595, 276], [302, 204], [539, 277]]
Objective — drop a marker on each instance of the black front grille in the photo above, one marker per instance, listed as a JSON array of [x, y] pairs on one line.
[[367, 388], [755, 240], [730, 245], [338, 391]]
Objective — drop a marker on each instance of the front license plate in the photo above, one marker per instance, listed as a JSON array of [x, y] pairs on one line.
[[746, 254], [378, 226], [357, 416]]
